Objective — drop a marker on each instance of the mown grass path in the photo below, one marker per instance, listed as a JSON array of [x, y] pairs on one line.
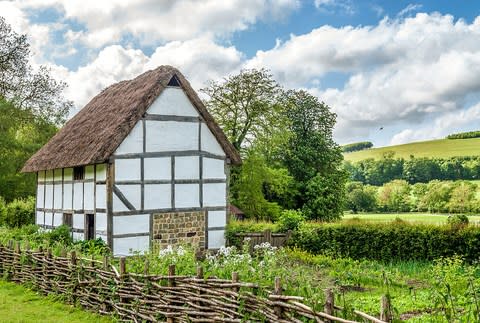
[[21, 305], [411, 217]]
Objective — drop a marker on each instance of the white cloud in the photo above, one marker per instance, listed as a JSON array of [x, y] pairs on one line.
[[152, 21], [441, 126], [199, 60], [399, 70], [408, 9], [332, 6]]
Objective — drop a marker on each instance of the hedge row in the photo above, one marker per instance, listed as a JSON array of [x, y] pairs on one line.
[[389, 242], [357, 146], [464, 135]]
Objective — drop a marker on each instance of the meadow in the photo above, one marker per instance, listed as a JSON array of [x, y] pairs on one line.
[[442, 148], [406, 216]]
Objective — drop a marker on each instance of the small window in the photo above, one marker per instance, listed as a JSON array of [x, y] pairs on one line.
[[78, 173], [174, 81], [68, 219]]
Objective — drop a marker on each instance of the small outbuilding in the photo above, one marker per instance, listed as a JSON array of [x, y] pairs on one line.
[[142, 164]]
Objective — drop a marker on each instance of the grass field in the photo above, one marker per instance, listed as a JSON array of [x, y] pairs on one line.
[[21, 305], [412, 217], [442, 148]]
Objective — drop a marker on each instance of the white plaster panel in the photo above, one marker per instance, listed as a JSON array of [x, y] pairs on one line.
[[187, 167], [101, 197], [133, 193], [100, 222], [101, 172], [173, 101], [209, 142], [214, 194], [40, 195], [88, 196], [127, 169], [131, 224], [187, 195], [49, 175], [57, 219], [216, 239], [158, 168], [41, 175], [101, 236], [217, 219], [126, 246], [171, 136], [39, 218], [48, 196], [68, 174], [158, 196], [57, 196], [133, 143], [67, 196], [118, 205], [48, 218], [78, 196], [89, 172], [77, 236], [57, 175], [214, 168], [78, 221]]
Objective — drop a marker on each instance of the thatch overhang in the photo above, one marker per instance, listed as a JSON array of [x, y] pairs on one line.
[[94, 133]]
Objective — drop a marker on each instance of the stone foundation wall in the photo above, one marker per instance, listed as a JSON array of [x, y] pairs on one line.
[[176, 228]]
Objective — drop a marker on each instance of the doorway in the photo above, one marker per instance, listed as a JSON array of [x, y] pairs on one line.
[[89, 227]]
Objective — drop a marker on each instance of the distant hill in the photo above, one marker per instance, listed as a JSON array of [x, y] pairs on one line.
[[442, 148]]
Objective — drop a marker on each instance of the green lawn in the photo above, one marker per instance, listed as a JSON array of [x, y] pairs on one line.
[[21, 305], [442, 148], [413, 217]]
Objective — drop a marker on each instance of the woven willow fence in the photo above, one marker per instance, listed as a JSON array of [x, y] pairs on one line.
[[101, 287]]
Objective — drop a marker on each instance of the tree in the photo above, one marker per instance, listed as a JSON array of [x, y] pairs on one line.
[[395, 196], [437, 196], [312, 156], [27, 89], [247, 106], [360, 197], [21, 135], [462, 197]]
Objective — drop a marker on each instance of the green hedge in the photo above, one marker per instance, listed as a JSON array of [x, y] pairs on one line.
[[464, 135], [388, 242], [357, 146]]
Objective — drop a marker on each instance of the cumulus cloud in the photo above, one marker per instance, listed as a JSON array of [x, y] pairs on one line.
[[399, 70], [151, 21], [199, 59]]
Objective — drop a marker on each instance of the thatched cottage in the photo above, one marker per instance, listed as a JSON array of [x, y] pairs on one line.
[[142, 164]]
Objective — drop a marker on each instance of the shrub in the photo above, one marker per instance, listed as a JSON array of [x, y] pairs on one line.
[[290, 220], [93, 247], [235, 228], [388, 242], [20, 212], [457, 221], [60, 235], [3, 207]]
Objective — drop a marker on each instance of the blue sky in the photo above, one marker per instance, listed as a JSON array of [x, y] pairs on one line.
[[412, 68]]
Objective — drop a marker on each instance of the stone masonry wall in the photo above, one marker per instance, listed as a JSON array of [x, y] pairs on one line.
[[182, 227]]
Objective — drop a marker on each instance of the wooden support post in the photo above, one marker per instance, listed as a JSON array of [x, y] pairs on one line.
[[267, 236], [10, 244], [385, 309], [122, 267], [235, 280], [200, 272], [49, 253], [146, 269], [278, 291], [171, 283], [63, 253], [329, 302], [105, 262], [27, 245], [17, 247], [73, 258]]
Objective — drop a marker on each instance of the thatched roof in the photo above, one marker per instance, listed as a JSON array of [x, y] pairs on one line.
[[95, 132]]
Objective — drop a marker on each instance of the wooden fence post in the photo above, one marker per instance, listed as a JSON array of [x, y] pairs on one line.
[[278, 291], [146, 269], [385, 309], [105, 262], [329, 303], [73, 258], [267, 236], [171, 283], [122, 267]]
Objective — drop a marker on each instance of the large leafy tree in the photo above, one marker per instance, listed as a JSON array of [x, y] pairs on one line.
[[313, 158], [247, 106], [36, 91]]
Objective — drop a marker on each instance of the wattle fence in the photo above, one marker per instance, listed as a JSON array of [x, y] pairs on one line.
[[101, 287]]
